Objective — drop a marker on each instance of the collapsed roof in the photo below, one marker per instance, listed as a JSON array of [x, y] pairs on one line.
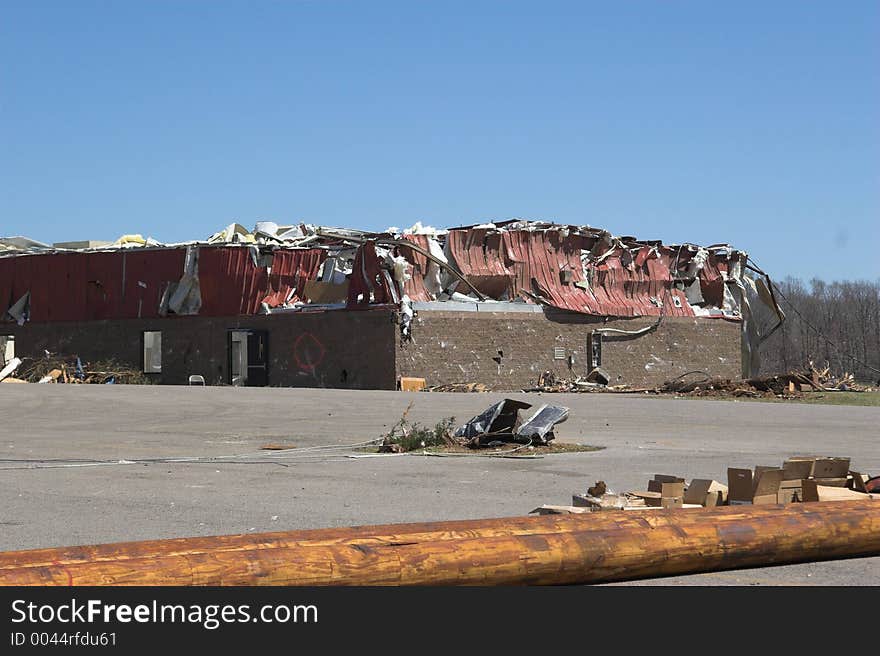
[[573, 268]]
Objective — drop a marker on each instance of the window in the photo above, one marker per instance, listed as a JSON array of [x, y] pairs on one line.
[[152, 352]]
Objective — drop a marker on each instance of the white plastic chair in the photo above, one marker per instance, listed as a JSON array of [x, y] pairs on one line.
[[196, 379]]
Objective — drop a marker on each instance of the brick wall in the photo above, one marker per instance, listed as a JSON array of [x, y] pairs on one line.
[[318, 349], [362, 350], [509, 351]]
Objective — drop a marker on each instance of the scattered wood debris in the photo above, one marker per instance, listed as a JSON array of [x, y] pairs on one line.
[[459, 387], [799, 479], [698, 383], [71, 369]]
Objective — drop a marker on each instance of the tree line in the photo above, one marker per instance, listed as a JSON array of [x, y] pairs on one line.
[[837, 323]]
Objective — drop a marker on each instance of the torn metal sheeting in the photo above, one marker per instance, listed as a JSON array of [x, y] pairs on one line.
[[501, 422], [578, 269], [500, 418], [539, 427]]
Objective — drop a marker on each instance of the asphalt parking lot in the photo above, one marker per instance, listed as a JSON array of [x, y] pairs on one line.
[[69, 474]]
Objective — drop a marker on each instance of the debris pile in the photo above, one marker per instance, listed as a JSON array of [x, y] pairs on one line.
[[550, 382], [501, 423], [789, 385], [698, 383], [831, 382], [459, 387], [497, 425], [71, 369], [799, 479]]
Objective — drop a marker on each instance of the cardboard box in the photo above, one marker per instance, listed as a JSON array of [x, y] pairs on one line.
[[666, 478], [762, 487], [814, 492], [790, 491], [651, 498], [797, 468], [767, 482], [831, 467], [669, 489], [739, 483], [656, 485], [706, 492], [325, 292], [411, 384], [672, 490]]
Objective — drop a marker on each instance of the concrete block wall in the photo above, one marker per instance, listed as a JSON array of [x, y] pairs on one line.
[[509, 351]]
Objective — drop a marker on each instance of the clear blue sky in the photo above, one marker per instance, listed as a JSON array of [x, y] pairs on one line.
[[753, 123]]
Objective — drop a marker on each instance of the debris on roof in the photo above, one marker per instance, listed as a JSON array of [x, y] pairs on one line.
[[512, 263]]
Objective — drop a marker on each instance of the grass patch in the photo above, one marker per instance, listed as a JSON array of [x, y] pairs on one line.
[[410, 437], [867, 399], [864, 399]]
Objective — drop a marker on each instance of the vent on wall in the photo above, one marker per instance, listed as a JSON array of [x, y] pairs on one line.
[[559, 353]]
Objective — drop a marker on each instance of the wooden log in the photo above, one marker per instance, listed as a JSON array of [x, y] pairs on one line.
[[362, 535], [532, 550]]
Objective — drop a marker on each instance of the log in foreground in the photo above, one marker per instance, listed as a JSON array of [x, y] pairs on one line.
[[544, 550]]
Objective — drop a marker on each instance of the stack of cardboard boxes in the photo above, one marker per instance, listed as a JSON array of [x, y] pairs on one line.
[[801, 478]]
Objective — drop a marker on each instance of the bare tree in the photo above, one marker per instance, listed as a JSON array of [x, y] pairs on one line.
[[837, 323]]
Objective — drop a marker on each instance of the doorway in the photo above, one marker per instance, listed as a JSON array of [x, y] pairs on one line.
[[248, 358]]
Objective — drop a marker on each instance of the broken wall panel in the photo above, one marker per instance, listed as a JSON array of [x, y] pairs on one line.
[[548, 265], [234, 284], [369, 283], [477, 253], [415, 286]]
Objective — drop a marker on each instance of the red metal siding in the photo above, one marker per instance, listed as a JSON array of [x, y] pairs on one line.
[[621, 285], [127, 284], [231, 284], [415, 286], [84, 286]]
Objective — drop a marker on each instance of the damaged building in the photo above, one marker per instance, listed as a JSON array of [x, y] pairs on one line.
[[502, 304]]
